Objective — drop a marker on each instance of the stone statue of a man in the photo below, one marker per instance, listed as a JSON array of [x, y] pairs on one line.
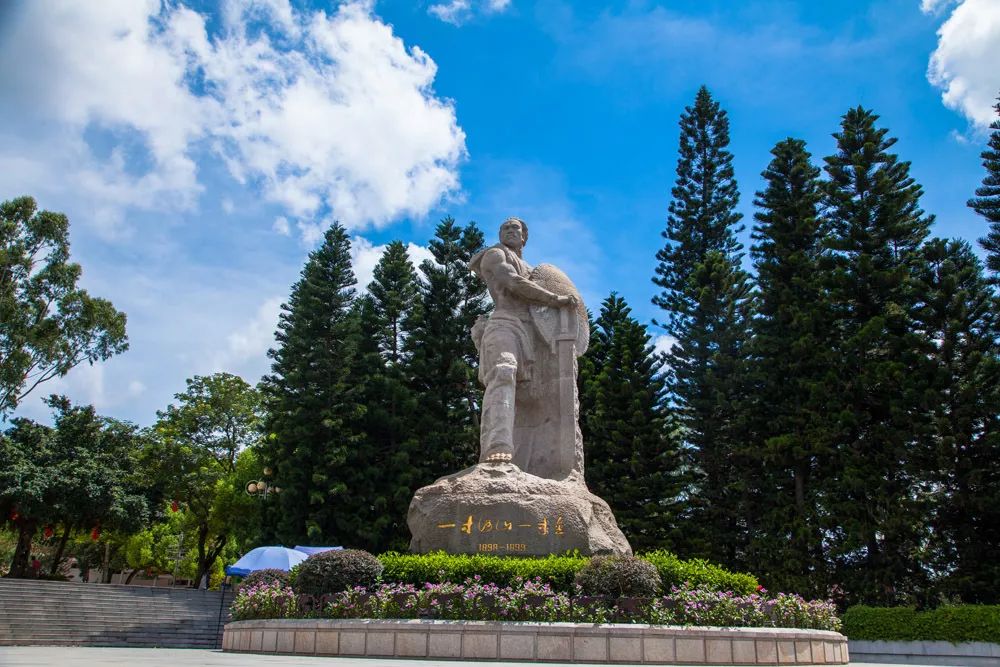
[[507, 339], [528, 494]]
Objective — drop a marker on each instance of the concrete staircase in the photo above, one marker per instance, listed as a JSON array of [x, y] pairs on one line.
[[56, 613]]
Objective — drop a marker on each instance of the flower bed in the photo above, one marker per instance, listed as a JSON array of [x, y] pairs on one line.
[[533, 600]]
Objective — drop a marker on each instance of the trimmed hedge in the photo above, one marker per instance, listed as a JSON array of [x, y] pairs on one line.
[[557, 571], [439, 568], [700, 574], [961, 623]]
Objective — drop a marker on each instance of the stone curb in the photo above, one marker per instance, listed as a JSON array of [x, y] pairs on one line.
[[969, 654], [553, 642]]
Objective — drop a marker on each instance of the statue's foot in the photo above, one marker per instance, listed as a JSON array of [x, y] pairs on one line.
[[498, 453]]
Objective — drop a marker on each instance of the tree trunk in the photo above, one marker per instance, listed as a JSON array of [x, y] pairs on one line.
[[202, 567], [61, 550], [207, 555], [209, 559], [106, 565], [131, 575], [20, 564]]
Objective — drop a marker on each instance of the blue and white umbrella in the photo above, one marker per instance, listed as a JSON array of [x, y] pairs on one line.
[[264, 558], [316, 550]]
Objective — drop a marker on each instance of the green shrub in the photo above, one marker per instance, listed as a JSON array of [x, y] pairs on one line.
[[293, 574], [439, 567], [557, 571], [621, 576], [268, 576], [335, 571], [699, 574], [960, 623]]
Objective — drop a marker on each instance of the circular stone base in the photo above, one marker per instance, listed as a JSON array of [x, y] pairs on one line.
[[497, 508], [556, 642]]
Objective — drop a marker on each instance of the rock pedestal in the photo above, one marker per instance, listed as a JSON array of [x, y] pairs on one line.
[[497, 508]]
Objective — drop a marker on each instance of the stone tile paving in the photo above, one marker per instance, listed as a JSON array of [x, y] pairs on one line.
[[78, 656]]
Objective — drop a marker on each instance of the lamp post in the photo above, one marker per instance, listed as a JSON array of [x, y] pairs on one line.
[[262, 488]]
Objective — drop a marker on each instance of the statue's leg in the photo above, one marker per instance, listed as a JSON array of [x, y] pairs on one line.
[[497, 423]]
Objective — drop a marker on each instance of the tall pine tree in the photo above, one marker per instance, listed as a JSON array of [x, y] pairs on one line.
[[877, 514], [962, 453], [631, 461], [312, 404], [394, 293], [707, 299], [390, 403], [790, 356], [442, 359], [987, 200]]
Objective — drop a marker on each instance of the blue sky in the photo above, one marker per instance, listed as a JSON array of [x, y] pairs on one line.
[[201, 148]]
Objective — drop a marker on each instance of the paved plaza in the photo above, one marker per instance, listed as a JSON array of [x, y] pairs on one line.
[[79, 656]]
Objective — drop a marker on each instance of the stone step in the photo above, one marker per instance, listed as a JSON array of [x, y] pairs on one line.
[[91, 627], [48, 610], [134, 639], [111, 618], [75, 607], [139, 604], [120, 636], [112, 595], [113, 643], [129, 639], [52, 619], [119, 604], [96, 591], [63, 623], [68, 614]]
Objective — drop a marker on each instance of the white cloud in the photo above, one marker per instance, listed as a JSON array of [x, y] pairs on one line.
[[246, 344], [959, 138], [453, 11], [279, 12], [329, 114], [663, 343], [252, 340], [86, 384], [365, 256], [281, 225], [311, 232], [348, 121], [419, 254], [934, 6], [105, 69], [458, 12], [965, 64]]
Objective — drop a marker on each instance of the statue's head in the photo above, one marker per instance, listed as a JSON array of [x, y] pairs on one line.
[[514, 232]]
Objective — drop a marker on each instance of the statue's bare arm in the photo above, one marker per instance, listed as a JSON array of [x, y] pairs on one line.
[[495, 266]]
